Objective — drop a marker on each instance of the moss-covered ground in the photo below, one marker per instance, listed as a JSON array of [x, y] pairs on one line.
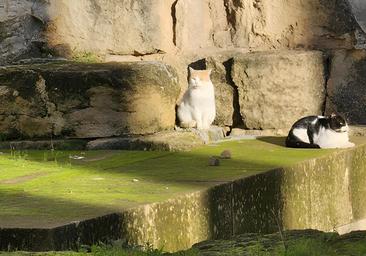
[[51, 188]]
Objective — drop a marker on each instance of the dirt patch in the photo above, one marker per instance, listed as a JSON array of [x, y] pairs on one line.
[[24, 178]]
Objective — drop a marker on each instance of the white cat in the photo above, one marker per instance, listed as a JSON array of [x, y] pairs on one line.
[[197, 108]]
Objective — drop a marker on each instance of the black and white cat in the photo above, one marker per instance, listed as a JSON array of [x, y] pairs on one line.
[[319, 132]]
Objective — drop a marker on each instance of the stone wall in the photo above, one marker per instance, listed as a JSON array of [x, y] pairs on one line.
[[132, 27], [183, 32]]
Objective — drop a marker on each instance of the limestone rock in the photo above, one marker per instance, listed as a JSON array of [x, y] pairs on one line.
[[224, 91], [277, 88], [87, 100], [264, 25], [237, 132], [346, 85]]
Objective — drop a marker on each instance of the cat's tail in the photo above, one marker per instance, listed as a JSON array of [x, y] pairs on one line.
[[299, 144]]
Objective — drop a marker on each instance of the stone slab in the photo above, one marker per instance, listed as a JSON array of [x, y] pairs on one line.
[[86, 100]]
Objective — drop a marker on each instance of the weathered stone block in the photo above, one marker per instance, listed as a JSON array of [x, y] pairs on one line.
[[314, 24], [178, 223], [87, 100], [346, 88], [277, 88], [104, 26], [257, 207], [224, 91]]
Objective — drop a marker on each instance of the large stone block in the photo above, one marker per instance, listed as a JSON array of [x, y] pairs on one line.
[[279, 24], [119, 27], [224, 90], [87, 100], [346, 88], [277, 88]]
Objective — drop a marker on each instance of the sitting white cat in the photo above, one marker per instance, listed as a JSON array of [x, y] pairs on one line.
[[197, 108]]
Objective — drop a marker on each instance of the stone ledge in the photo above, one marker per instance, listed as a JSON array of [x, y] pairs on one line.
[[180, 140], [296, 194]]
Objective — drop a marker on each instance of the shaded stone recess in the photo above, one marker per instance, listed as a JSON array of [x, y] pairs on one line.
[[346, 85], [68, 237], [276, 88], [86, 100]]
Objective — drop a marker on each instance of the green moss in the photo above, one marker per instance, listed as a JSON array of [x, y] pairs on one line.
[[47, 188], [86, 57]]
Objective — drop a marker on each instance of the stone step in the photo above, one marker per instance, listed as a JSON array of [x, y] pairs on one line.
[[60, 200], [178, 140], [77, 100]]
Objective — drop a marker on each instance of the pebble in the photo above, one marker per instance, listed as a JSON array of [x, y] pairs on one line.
[[226, 154], [75, 157], [135, 180], [213, 161]]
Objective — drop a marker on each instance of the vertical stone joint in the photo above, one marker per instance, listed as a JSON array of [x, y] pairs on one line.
[[237, 117], [174, 19]]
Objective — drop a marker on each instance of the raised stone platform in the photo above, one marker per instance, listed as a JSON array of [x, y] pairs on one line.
[[57, 200]]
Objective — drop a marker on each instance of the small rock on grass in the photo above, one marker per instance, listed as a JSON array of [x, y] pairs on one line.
[[226, 154], [213, 161]]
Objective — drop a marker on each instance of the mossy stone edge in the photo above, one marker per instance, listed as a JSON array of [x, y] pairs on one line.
[[321, 193]]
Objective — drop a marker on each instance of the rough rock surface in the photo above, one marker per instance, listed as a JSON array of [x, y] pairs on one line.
[[224, 89], [87, 100], [346, 88], [147, 26], [277, 88]]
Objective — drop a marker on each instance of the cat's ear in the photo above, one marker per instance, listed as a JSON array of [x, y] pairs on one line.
[[190, 70]]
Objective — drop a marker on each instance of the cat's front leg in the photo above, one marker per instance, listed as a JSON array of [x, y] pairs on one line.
[[200, 125], [349, 145]]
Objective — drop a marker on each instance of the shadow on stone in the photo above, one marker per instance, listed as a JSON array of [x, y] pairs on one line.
[[279, 141]]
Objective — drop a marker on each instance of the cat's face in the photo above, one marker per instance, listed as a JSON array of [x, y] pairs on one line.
[[199, 77], [338, 123]]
